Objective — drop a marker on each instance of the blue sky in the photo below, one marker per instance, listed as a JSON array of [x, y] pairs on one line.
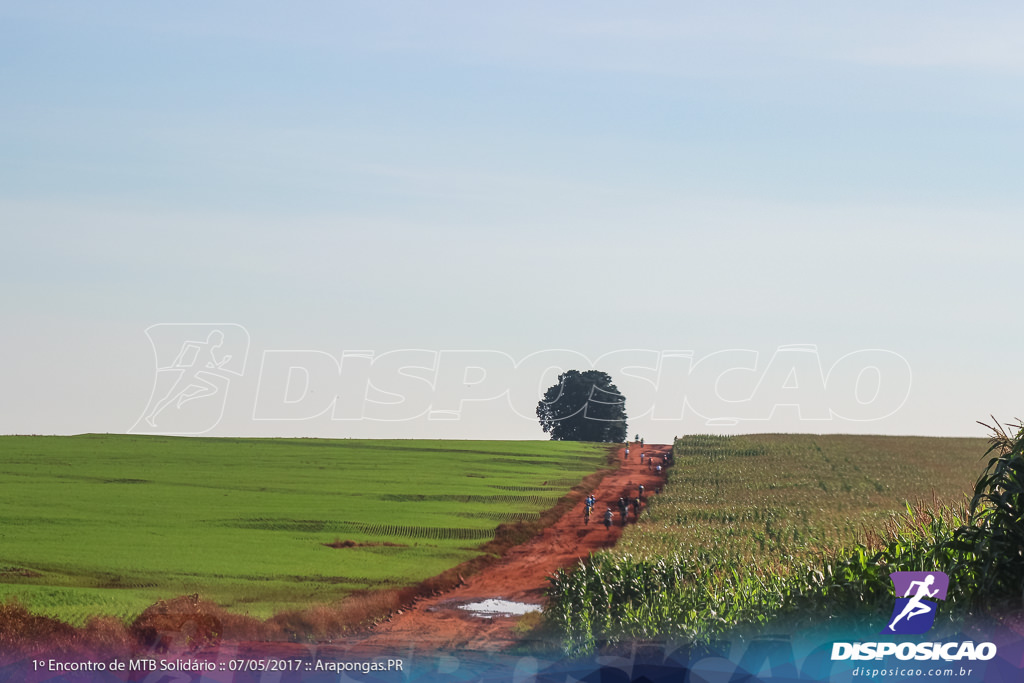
[[586, 176]]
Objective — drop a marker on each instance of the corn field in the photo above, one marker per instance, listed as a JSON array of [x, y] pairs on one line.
[[706, 561]]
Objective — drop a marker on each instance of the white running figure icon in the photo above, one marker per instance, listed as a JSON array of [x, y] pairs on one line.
[[194, 362], [914, 607]]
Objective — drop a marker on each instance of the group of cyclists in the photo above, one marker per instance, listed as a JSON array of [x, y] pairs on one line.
[[624, 504], [628, 500], [652, 464]]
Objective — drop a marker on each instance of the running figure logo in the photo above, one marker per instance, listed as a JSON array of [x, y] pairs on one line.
[[914, 613], [194, 367]]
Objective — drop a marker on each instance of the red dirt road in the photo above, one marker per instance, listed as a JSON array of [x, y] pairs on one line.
[[437, 623]]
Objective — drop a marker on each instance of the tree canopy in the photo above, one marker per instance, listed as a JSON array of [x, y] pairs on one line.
[[583, 406]]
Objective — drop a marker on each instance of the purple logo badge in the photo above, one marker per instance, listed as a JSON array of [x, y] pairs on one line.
[[913, 613]]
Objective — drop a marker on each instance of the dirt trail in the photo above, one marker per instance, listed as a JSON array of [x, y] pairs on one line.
[[437, 623]]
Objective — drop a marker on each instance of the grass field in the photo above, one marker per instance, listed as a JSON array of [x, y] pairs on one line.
[[99, 524]]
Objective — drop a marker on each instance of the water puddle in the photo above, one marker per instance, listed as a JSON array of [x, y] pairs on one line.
[[490, 608]]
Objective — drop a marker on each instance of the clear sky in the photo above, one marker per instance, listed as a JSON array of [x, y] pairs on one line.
[[329, 177]]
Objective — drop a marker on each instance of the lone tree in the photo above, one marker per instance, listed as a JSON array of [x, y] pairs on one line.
[[583, 406]]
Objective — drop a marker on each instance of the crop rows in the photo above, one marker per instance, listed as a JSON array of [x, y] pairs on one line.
[[382, 530], [745, 526], [571, 465], [436, 533], [527, 488], [500, 516], [237, 520], [501, 498]]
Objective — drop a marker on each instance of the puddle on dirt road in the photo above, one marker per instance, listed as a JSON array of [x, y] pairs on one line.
[[488, 609]]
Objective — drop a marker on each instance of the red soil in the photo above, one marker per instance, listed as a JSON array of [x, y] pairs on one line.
[[431, 624], [437, 623]]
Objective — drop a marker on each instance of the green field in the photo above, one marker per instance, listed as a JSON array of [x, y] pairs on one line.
[[772, 497], [100, 524], [751, 529]]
